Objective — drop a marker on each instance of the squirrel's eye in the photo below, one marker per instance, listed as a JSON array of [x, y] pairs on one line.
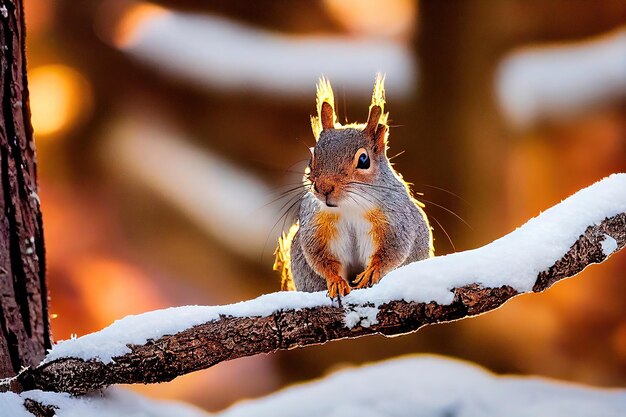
[[364, 161]]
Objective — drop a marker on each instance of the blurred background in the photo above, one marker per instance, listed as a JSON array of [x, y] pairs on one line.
[[166, 132]]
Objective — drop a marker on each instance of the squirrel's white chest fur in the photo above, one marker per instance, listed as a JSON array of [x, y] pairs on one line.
[[353, 245]]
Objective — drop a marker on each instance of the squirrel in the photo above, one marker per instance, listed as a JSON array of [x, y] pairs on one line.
[[358, 219]]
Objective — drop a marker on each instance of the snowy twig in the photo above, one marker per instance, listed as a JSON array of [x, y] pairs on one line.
[[227, 337]]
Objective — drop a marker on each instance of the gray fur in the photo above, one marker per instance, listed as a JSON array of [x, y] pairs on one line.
[[410, 238], [304, 278]]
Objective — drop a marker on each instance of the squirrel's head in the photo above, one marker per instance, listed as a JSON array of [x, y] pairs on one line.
[[346, 157]]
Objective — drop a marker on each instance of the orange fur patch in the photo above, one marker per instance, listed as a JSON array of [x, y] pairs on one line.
[[326, 264], [326, 223], [379, 226]]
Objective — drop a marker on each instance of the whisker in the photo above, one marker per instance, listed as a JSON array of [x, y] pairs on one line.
[[306, 145], [396, 155], [282, 213], [270, 168], [282, 197], [421, 199], [288, 213], [301, 185], [290, 184], [297, 162], [368, 198], [298, 196], [377, 186], [352, 193], [444, 231], [449, 211], [291, 171], [353, 199], [448, 192], [287, 195]]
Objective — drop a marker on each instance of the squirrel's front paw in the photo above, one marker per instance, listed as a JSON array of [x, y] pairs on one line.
[[369, 277], [337, 286]]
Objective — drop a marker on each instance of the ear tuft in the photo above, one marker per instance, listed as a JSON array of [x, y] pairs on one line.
[[380, 139], [376, 127], [326, 118], [378, 98], [372, 121]]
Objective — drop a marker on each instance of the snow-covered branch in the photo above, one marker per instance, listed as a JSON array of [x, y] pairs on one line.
[[161, 345]]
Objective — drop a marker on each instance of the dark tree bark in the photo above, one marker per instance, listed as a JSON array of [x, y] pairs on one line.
[[24, 325]]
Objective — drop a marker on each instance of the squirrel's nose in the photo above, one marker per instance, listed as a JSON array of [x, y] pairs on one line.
[[323, 187]]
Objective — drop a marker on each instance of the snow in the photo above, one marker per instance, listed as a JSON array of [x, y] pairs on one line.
[[217, 53], [427, 386], [360, 316], [556, 81], [11, 404], [113, 403], [609, 245], [410, 386], [514, 260], [137, 329]]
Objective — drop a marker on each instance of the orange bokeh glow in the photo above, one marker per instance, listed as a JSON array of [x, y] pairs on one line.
[[59, 98], [387, 18], [132, 20]]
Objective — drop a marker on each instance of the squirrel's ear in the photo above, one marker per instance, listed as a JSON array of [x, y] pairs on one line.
[[380, 139], [372, 121], [376, 127], [327, 116]]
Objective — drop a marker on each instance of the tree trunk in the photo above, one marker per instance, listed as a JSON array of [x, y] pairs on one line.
[[24, 325]]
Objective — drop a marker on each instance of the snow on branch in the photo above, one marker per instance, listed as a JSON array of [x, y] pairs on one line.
[[158, 346]]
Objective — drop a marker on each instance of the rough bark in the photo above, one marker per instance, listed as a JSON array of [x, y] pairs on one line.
[[38, 409], [229, 338], [24, 326]]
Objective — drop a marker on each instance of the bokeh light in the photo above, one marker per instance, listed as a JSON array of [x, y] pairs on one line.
[[60, 98], [131, 21], [376, 18]]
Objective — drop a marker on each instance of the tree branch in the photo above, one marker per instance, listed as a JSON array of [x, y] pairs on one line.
[[227, 338]]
